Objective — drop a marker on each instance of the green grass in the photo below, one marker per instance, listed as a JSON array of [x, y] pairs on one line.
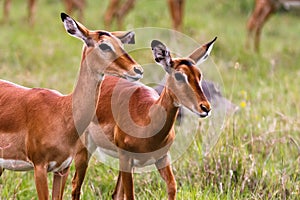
[[257, 153]]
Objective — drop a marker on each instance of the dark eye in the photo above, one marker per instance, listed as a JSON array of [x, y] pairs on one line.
[[105, 47], [180, 77]]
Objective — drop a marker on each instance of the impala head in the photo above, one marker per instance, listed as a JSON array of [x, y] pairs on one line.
[[184, 80], [105, 50]]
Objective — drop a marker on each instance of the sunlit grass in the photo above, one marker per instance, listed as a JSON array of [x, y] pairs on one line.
[[257, 153]]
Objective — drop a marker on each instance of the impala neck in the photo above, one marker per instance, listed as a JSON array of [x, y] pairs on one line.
[[166, 100], [85, 95]]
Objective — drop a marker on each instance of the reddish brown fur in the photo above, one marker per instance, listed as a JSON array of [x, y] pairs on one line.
[[118, 10], [40, 126], [117, 121], [263, 9], [70, 6]]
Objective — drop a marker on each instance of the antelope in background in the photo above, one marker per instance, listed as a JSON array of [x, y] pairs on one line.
[[263, 9], [70, 5], [31, 11], [117, 10], [136, 125], [40, 128]]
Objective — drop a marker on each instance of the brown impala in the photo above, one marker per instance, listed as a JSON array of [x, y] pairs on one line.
[[39, 128], [263, 9], [136, 125]]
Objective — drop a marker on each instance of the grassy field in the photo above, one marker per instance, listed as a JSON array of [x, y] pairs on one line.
[[256, 155]]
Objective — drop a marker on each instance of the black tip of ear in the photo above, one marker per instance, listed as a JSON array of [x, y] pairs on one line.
[[63, 16], [155, 43], [211, 42]]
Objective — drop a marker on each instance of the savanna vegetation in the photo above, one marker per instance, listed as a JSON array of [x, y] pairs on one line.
[[255, 153]]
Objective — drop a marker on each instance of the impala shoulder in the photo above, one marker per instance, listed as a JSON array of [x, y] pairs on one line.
[[41, 92]]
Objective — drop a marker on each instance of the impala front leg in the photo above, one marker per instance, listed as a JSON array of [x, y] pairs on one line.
[[40, 176], [165, 170], [126, 175], [81, 164], [59, 181]]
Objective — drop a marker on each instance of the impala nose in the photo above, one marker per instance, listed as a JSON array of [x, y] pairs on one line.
[[138, 70], [204, 108]]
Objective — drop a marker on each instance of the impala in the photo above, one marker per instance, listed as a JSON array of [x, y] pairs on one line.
[[31, 10], [263, 9], [136, 125], [119, 11], [39, 128], [70, 5]]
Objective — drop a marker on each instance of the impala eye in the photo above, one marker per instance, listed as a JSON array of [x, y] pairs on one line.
[[105, 47], [180, 77]]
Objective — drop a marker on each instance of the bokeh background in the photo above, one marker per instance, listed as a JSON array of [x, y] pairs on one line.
[[256, 155]]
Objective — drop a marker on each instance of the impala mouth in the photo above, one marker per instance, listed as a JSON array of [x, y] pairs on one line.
[[204, 114], [201, 114], [133, 78], [126, 76]]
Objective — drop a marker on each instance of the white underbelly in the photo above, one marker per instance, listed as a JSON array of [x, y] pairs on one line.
[[52, 167], [144, 163], [16, 165], [21, 165]]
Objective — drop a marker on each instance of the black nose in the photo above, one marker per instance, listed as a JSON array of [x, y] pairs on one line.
[[138, 71], [204, 108]]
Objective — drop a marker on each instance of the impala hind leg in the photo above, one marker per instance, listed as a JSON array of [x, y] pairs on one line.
[[119, 189], [59, 182], [1, 170], [40, 177], [165, 170]]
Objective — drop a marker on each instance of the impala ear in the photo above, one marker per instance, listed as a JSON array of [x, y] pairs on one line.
[[202, 53], [161, 55], [76, 29], [125, 37]]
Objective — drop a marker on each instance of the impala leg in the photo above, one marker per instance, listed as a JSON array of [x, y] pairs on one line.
[[6, 9], [40, 176], [81, 6], [81, 164], [59, 182], [81, 160], [123, 11], [262, 11], [250, 29], [263, 18], [1, 171], [176, 8], [111, 12], [165, 170], [68, 6], [126, 175], [119, 189], [31, 11]]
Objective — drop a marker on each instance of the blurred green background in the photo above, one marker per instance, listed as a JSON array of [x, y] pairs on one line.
[[257, 153]]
